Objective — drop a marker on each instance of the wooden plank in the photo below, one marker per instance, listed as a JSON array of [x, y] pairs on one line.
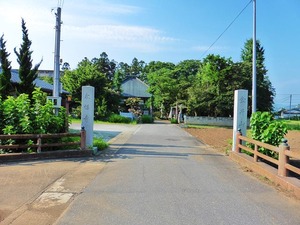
[[246, 148], [268, 158], [17, 146], [292, 154], [59, 144], [292, 168], [19, 136], [60, 135], [261, 144], [35, 136]]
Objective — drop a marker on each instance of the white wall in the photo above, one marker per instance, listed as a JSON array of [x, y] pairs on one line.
[[212, 121]]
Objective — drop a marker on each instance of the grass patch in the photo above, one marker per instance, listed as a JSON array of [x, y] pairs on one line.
[[100, 144], [134, 122], [292, 124]]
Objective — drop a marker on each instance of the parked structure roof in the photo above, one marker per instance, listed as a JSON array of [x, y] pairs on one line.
[[38, 82], [134, 87]]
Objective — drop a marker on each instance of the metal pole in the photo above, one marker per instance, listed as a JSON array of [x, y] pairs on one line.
[[254, 60], [56, 88]]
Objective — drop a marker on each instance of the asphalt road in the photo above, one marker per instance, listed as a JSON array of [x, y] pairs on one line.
[[162, 175]]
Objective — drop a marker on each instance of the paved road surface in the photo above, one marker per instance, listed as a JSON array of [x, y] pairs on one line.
[[162, 175]]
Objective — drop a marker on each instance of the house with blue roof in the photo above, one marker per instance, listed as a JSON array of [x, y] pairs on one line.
[[46, 87]]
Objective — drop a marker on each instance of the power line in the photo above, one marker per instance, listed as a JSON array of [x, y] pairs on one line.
[[226, 28]]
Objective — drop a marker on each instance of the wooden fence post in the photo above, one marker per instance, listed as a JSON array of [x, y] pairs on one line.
[[238, 141], [83, 139], [39, 143], [255, 157], [283, 159]]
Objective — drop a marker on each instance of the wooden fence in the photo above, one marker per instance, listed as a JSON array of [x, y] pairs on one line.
[[283, 151], [39, 140]]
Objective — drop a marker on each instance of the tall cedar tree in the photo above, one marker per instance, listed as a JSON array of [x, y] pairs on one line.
[[5, 73], [26, 73], [265, 90]]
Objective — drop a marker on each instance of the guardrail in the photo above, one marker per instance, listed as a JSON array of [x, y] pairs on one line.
[[284, 154], [39, 140]]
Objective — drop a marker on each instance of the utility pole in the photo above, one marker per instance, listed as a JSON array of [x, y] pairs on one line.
[[55, 98], [56, 89], [254, 60]]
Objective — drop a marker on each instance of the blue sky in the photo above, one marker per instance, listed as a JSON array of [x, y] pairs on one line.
[[164, 30]]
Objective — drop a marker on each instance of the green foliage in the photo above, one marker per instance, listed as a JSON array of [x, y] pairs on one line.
[[16, 115], [47, 79], [292, 124], [163, 86], [101, 110], [115, 118], [134, 106], [265, 90], [212, 92], [5, 73], [100, 143], [147, 119], [265, 129], [22, 117], [174, 121], [97, 73], [26, 73]]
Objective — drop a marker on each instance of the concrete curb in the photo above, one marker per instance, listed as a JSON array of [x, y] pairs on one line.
[[289, 184], [14, 157]]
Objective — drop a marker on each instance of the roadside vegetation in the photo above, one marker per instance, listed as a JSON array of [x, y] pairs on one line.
[[205, 87]]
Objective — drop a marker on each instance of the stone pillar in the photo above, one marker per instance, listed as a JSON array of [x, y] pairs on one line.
[[239, 114], [87, 113]]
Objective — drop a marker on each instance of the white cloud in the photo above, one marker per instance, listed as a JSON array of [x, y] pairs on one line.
[[203, 48], [117, 33], [87, 25]]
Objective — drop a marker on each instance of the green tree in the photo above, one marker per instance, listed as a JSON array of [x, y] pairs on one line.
[[212, 92], [105, 65], [26, 73], [185, 73], [265, 90], [163, 87], [117, 82], [137, 68], [5, 73], [87, 73]]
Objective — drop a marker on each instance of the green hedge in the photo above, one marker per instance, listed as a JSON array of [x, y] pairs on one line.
[[115, 118], [147, 119]]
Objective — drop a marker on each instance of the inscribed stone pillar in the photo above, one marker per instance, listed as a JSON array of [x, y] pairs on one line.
[[87, 113], [239, 114]]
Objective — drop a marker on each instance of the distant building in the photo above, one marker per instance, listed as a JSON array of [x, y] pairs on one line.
[[46, 87], [285, 114], [133, 87]]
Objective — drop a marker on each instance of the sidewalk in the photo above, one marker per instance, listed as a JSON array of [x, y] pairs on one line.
[[37, 192]]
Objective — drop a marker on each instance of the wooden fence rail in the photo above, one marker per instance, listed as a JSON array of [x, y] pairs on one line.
[[39, 138], [284, 154]]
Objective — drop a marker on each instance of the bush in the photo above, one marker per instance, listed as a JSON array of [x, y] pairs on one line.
[[265, 129], [147, 119], [115, 118], [100, 143], [173, 120]]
